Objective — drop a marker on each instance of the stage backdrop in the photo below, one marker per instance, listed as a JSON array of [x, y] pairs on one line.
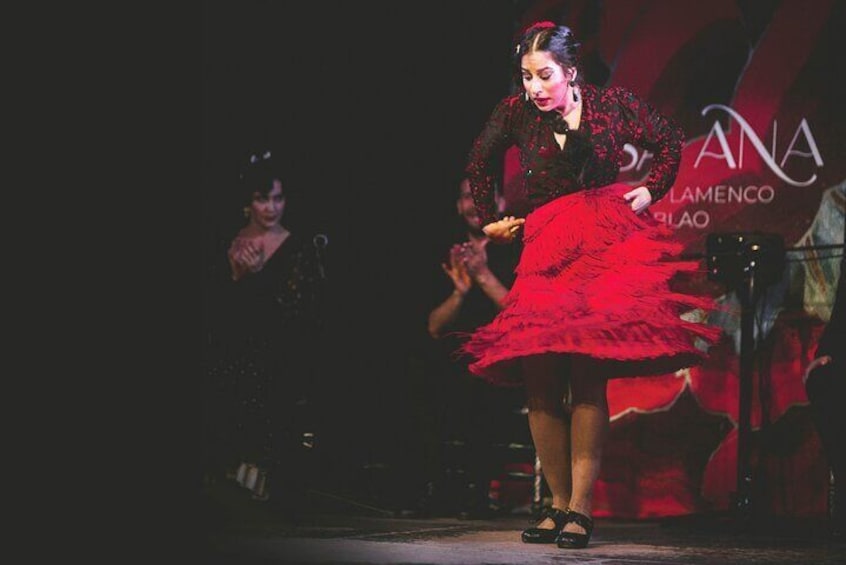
[[756, 87]]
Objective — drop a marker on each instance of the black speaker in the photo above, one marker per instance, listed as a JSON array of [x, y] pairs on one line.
[[733, 257]]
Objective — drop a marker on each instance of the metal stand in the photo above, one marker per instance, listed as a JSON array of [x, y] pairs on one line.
[[748, 302], [747, 262]]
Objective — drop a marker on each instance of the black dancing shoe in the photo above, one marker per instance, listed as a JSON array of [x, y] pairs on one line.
[[573, 540], [546, 535]]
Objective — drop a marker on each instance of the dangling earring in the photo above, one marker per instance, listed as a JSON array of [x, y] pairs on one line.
[[246, 211], [526, 95], [575, 94]]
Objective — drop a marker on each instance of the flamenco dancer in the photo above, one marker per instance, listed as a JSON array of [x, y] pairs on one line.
[[591, 299]]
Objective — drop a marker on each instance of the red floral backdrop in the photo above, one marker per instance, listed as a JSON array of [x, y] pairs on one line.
[[752, 84]]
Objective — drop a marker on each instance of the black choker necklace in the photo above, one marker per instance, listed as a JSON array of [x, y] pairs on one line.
[[559, 124]]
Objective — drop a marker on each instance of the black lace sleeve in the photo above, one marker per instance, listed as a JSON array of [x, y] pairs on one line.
[[657, 133], [485, 162], [307, 282]]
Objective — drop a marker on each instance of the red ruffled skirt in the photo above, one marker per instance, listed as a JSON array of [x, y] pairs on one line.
[[593, 280]]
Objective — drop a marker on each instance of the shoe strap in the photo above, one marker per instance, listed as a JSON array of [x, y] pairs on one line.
[[556, 515], [580, 519]]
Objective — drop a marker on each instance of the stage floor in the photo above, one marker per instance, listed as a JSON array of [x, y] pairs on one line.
[[335, 529]]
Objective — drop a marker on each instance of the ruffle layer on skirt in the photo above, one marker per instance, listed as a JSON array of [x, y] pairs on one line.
[[593, 280]]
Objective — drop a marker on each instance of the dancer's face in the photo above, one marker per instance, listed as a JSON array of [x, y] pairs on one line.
[[546, 82]]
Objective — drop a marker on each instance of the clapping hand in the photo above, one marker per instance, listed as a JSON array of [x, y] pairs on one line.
[[457, 271], [474, 258], [245, 256]]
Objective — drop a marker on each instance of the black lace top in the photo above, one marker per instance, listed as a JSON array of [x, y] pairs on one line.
[[591, 157], [278, 303]]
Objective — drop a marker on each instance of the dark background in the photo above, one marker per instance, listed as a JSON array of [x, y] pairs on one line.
[[373, 107]]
